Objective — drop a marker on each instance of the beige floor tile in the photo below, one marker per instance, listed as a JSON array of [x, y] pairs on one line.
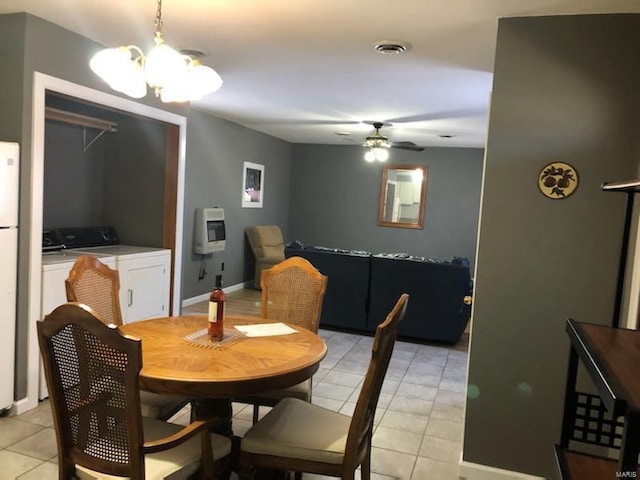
[[41, 415], [445, 429], [415, 406], [453, 385], [16, 464], [433, 470], [425, 369], [331, 390], [240, 426], [404, 421], [44, 471], [440, 449], [452, 413], [418, 378], [42, 445], [13, 430], [417, 391], [393, 464], [330, 403], [349, 407], [343, 378], [396, 440]]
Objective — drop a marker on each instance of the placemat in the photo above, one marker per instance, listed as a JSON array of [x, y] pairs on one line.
[[200, 338]]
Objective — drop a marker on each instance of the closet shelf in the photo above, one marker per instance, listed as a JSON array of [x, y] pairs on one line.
[[85, 121]]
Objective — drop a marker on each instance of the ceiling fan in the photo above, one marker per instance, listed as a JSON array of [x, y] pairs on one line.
[[378, 145]]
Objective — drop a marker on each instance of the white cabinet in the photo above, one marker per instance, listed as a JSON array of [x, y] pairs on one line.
[[144, 286], [145, 275]]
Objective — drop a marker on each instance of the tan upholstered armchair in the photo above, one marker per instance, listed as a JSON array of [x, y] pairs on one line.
[[268, 248]]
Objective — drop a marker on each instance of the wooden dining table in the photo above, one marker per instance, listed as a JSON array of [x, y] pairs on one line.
[[176, 359]]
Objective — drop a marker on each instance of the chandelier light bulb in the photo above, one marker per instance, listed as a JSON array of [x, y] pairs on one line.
[[381, 154], [370, 155]]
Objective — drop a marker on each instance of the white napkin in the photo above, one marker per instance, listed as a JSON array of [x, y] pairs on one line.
[[265, 329]]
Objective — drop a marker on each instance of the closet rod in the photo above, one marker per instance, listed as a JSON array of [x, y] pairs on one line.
[[82, 120]]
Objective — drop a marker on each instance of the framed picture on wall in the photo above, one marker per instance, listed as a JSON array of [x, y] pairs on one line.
[[252, 185]]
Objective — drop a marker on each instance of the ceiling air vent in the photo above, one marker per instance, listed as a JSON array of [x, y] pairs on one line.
[[389, 47]]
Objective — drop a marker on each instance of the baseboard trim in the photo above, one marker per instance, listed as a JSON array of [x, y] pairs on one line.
[[476, 471], [23, 405], [205, 296]]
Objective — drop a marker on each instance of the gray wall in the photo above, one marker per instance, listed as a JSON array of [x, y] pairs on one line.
[[216, 150], [134, 181], [335, 195], [73, 180], [565, 89]]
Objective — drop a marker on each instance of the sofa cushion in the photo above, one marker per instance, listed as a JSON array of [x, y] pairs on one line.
[[347, 295], [436, 312]]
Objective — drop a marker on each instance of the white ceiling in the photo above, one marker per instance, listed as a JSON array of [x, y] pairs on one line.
[[303, 71]]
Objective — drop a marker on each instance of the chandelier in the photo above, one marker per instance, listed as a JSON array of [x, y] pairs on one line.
[[174, 76]]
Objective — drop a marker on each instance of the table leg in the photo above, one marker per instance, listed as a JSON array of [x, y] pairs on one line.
[[221, 411], [217, 408]]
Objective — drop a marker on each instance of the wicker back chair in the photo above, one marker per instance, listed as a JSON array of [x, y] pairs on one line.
[[339, 443], [95, 284], [292, 292], [92, 372]]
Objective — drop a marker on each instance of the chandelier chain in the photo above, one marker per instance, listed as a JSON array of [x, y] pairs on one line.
[[159, 20]]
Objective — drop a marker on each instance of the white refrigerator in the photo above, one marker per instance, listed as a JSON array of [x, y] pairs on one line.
[[9, 181]]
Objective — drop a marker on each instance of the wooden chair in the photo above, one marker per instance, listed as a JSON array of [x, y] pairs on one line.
[[292, 292], [302, 437], [97, 285], [92, 372]]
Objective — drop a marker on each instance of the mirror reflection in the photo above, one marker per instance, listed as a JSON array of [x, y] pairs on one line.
[[402, 196]]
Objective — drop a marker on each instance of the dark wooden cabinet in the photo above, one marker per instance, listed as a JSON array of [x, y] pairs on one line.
[[610, 420]]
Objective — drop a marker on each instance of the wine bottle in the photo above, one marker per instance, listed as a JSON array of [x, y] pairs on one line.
[[216, 311]]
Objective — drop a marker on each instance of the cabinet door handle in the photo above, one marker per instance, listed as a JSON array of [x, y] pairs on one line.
[[129, 297]]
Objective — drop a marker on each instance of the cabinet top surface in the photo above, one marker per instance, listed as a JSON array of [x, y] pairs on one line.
[[615, 352]]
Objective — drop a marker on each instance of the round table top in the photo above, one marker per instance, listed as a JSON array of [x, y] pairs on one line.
[[246, 366]]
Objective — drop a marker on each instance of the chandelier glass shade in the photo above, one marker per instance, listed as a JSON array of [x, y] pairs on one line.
[[380, 154], [174, 77], [378, 148]]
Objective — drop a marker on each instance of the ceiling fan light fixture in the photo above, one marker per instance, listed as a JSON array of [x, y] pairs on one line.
[[129, 71]]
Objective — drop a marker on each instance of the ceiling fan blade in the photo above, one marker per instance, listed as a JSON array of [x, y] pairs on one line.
[[407, 146]]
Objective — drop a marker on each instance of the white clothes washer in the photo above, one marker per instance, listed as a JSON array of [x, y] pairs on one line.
[[55, 270]]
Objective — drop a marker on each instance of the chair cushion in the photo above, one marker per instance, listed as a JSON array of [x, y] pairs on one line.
[[298, 429], [173, 464]]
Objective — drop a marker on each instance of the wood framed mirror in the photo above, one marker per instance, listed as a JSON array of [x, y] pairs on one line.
[[402, 196]]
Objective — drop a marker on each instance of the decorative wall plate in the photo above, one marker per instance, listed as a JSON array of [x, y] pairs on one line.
[[558, 180]]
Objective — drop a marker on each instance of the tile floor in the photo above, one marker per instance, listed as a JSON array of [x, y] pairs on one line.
[[419, 420]]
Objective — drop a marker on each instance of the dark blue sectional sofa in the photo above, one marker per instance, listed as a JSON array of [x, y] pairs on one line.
[[362, 288]]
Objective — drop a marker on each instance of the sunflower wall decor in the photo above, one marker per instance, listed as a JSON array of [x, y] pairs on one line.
[[558, 180]]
